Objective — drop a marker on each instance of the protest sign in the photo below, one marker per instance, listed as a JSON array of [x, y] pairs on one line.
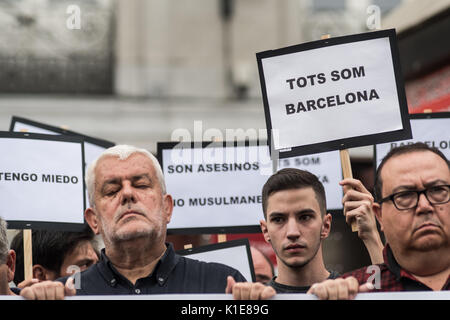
[[334, 93], [430, 128], [235, 253], [93, 147], [42, 181], [216, 187]]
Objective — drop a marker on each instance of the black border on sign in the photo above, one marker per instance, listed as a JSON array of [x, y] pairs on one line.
[[35, 225], [160, 146], [413, 116], [223, 245], [92, 140], [339, 144]]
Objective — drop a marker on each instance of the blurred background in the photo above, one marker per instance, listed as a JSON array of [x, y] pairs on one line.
[[134, 71]]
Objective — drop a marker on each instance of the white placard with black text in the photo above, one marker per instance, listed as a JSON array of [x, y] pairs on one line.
[[216, 187], [333, 95], [91, 150], [41, 180], [435, 132]]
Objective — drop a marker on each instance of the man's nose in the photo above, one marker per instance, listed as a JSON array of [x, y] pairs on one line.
[[292, 229], [423, 205], [128, 195]]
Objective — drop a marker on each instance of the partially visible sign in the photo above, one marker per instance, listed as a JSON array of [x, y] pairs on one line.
[[42, 181], [327, 167], [93, 147], [235, 253], [432, 129]]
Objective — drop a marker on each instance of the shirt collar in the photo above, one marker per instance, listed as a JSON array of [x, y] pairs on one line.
[[162, 269], [391, 263]]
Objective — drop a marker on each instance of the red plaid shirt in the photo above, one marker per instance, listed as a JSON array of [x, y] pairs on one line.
[[392, 277]]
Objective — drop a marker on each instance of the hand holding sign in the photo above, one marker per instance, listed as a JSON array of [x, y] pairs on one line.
[[357, 203]]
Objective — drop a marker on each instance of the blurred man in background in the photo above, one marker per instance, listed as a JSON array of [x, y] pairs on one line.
[[55, 254], [264, 270], [7, 262]]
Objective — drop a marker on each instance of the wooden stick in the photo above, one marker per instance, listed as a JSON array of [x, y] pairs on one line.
[[221, 238], [27, 254], [347, 173], [27, 248]]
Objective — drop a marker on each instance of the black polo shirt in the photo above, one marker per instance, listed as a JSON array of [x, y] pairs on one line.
[[172, 274], [282, 288]]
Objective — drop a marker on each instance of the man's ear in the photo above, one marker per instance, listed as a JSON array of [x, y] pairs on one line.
[[11, 263], [91, 219], [376, 207], [263, 224], [39, 272], [326, 226], [168, 206]]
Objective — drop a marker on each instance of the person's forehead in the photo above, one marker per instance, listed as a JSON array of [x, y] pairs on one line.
[[259, 260], [292, 198], [112, 167], [82, 249], [413, 168]]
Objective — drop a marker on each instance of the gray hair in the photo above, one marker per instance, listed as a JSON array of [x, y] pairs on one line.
[[4, 247], [122, 152]]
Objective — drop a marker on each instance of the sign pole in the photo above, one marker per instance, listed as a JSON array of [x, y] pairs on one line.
[[347, 173], [27, 254], [27, 249], [345, 159]]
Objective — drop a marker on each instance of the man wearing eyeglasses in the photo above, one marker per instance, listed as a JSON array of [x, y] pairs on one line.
[[412, 206]]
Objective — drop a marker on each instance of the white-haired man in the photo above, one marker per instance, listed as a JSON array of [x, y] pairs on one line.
[[7, 262], [131, 209]]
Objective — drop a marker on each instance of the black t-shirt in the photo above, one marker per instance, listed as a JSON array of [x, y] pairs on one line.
[[281, 288], [172, 274]]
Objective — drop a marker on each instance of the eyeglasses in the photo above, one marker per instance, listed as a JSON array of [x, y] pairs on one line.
[[406, 200]]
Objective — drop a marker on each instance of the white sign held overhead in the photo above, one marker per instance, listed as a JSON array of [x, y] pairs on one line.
[[333, 94], [41, 181]]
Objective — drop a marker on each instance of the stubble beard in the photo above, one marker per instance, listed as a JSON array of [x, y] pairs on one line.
[[152, 233], [301, 264]]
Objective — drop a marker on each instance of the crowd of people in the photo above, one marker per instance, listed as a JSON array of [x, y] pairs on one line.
[[130, 208]]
